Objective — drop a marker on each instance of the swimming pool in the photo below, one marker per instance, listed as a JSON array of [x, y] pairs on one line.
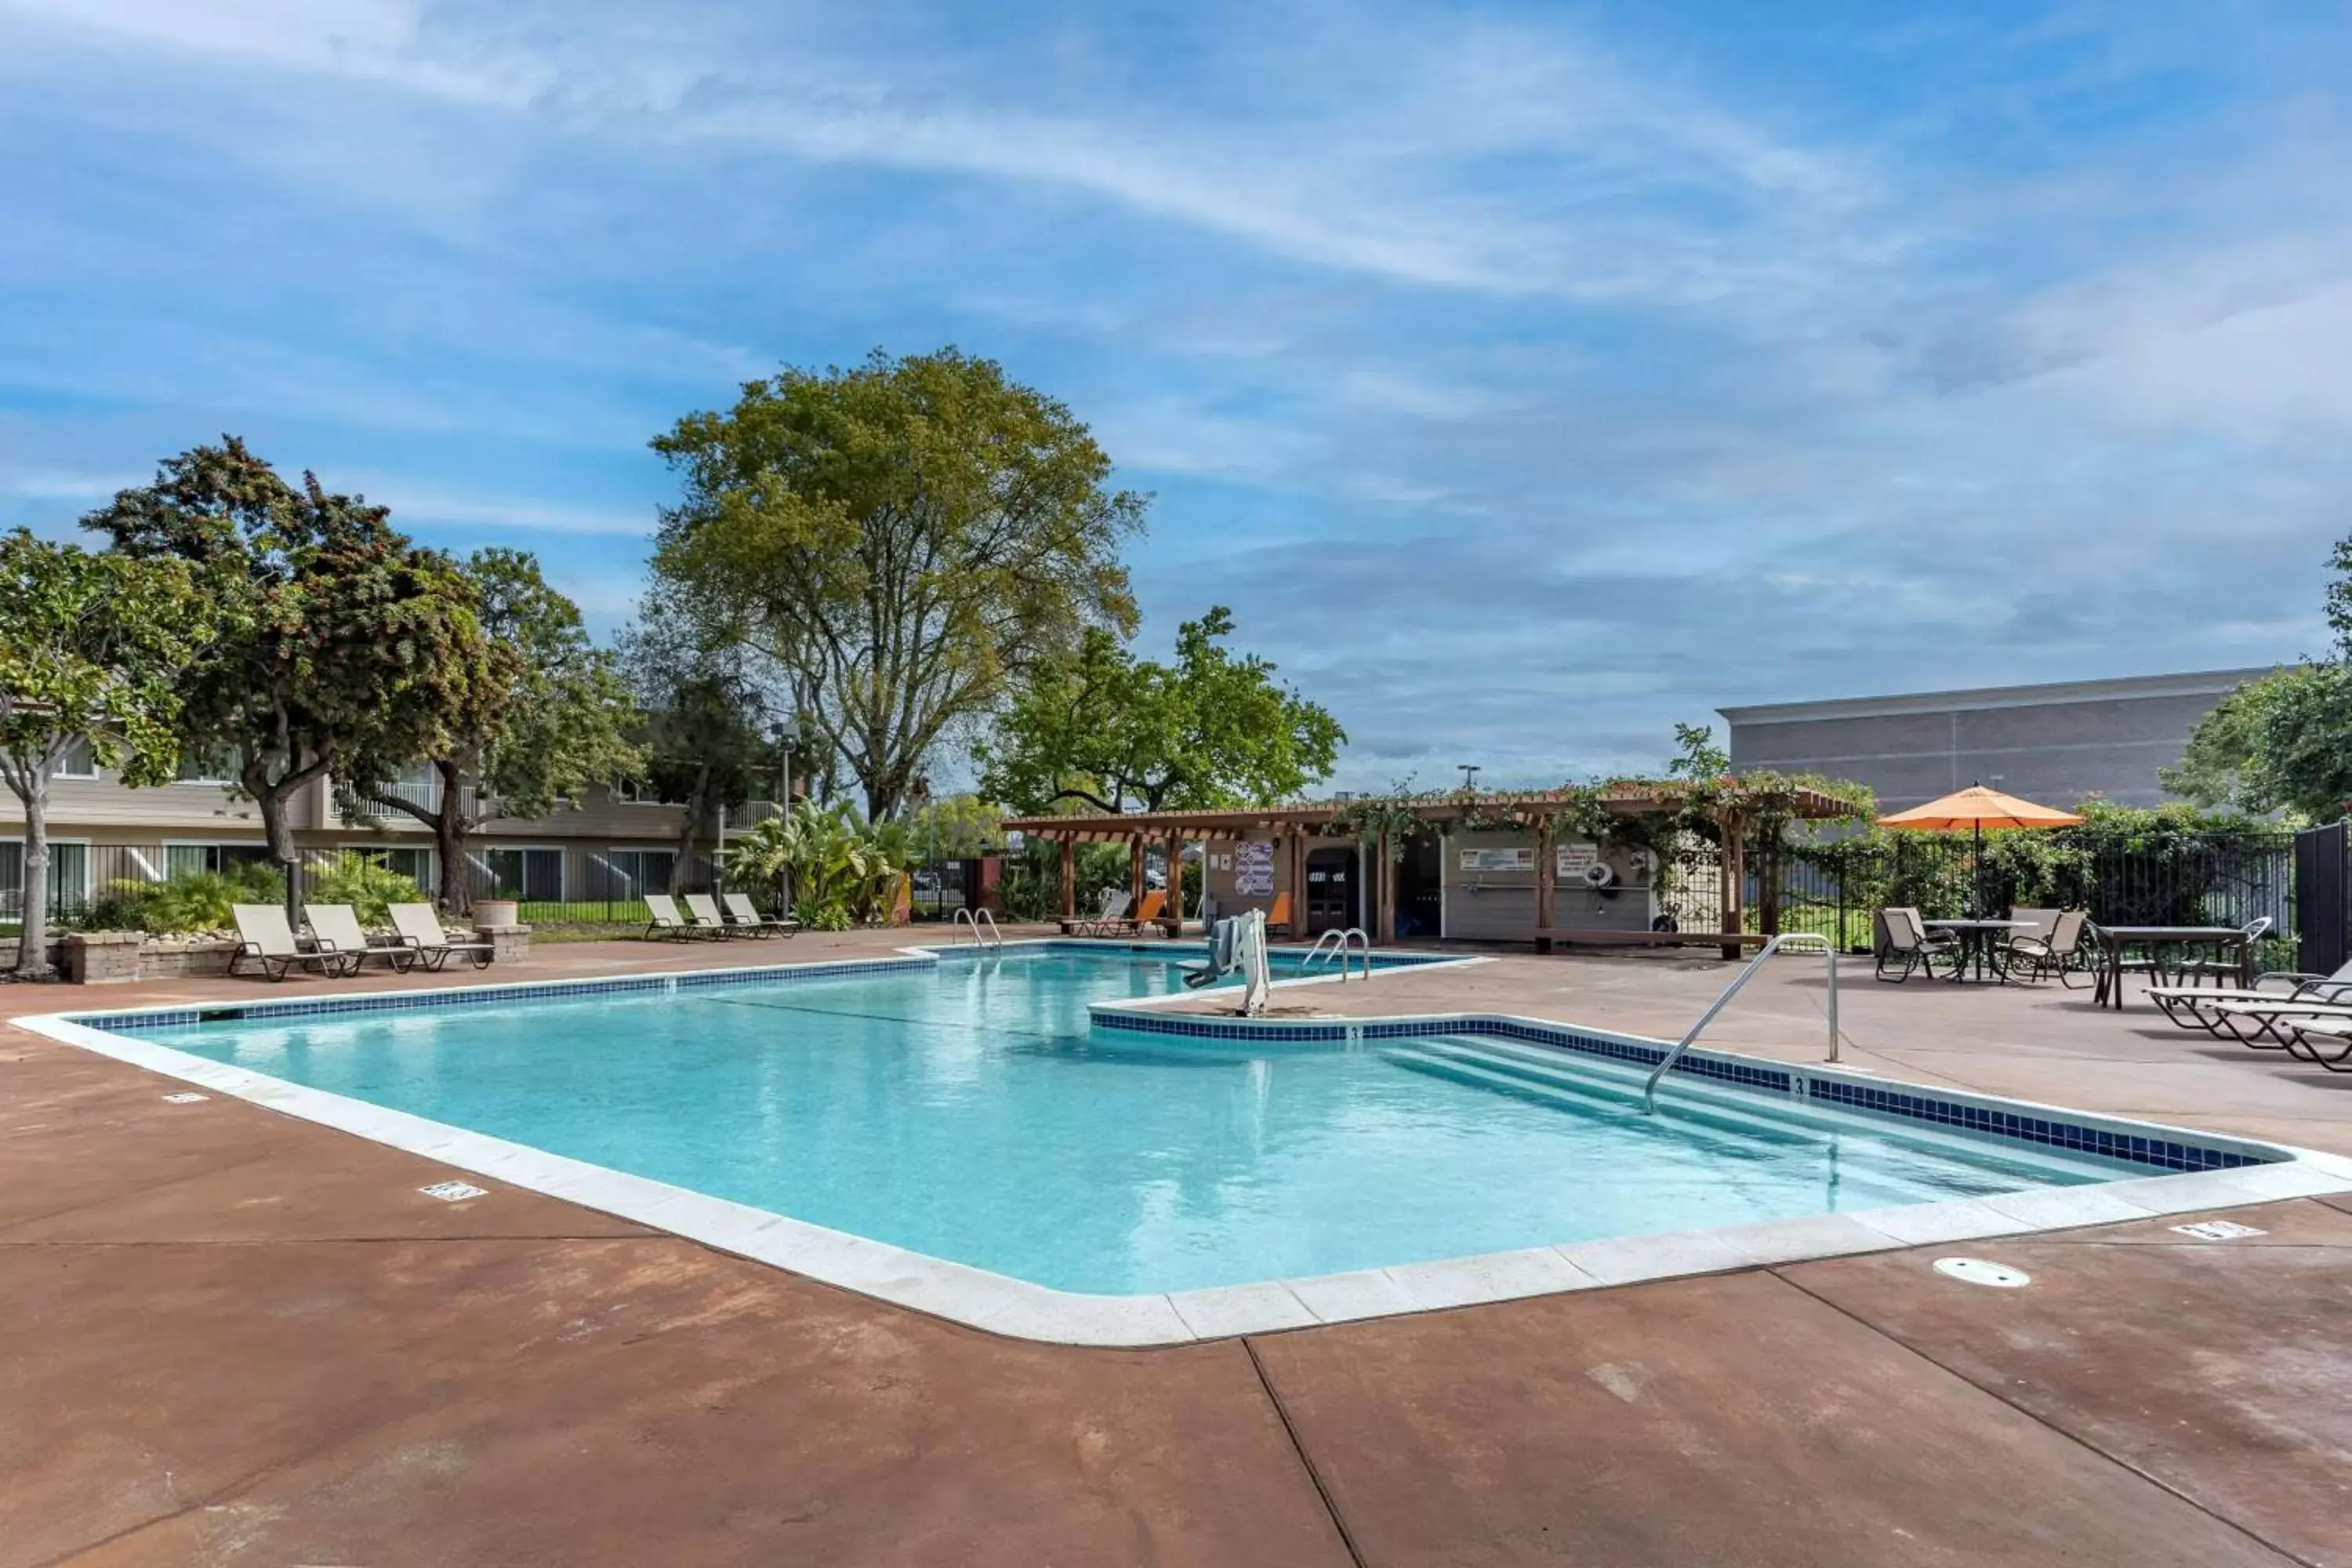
[[971, 1109]]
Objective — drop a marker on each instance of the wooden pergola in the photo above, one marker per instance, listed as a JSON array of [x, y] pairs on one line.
[[1298, 827]]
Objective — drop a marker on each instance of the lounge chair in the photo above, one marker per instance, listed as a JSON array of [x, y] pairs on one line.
[[2053, 948], [703, 910], [1278, 917], [2185, 1005], [748, 918], [1909, 943], [1114, 907], [265, 936], [335, 928], [668, 922], [2323, 1039], [1129, 925], [420, 929]]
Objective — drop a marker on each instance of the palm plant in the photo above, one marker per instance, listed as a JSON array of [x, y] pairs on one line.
[[843, 868]]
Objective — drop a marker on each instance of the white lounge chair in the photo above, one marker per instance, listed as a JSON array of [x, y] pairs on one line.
[[263, 936], [746, 917], [2212, 1008], [703, 909], [666, 922], [335, 928], [420, 930], [1115, 901]]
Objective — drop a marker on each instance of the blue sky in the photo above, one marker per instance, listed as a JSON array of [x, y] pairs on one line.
[[1526, 378]]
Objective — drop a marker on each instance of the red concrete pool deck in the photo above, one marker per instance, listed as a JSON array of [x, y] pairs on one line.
[[228, 1337]]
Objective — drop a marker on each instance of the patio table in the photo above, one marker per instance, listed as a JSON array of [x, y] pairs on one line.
[[2113, 939], [1977, 941]]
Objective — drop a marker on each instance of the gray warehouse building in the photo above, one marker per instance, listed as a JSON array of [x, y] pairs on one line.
[[2055, 743]]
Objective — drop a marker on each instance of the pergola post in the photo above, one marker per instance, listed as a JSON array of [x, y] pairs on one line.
[[1175, 921], [1134, 872], [1069, 879], [1545, 868], [1384, 907], [1735, 884]]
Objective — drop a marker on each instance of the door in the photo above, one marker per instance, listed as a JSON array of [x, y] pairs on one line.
[[1332, 890]]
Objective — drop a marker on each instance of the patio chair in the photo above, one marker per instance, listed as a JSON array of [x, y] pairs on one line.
[[2054, 949], [335, 928], [1114, 907], [420, 929], [264, 935], [1278, 917], [703, 910], [1910, 942], [746, 917], [666, 922], [2148, 962], [2227, 967]]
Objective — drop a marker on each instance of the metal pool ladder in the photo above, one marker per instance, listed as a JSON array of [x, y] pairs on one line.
[[972, 918], [1341, 942], [1795, 942]]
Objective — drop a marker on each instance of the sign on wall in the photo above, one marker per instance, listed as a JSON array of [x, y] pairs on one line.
[[1571, 861], [1254, 870], [1518, 860]]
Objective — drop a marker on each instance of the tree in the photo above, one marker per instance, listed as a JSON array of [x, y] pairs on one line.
[[90, 650], [903, 541], [703, 737], [342, 643], [2219, 766], [550, 716], [1110, 731]]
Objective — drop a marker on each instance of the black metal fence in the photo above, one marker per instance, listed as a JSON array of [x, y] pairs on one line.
[[127, 885], [2168, 878]]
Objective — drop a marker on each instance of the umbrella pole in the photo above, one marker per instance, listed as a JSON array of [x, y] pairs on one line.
[[1978, 828]]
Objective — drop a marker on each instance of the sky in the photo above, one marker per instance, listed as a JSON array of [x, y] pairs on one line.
[[1526, 378]]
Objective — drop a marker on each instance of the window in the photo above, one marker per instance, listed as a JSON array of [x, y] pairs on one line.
[[534, 876], [188, 859], [78, 762], [635, 872], [208, 764], [68, 878]]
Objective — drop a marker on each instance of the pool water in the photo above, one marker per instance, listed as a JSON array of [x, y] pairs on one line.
[[967, 1110]]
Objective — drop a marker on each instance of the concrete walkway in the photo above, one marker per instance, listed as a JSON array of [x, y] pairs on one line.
[[231, 1338]]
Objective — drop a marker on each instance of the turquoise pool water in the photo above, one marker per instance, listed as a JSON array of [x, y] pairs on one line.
[[967, 1110]]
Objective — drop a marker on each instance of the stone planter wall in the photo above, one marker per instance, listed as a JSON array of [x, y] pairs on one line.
[[112, 957]]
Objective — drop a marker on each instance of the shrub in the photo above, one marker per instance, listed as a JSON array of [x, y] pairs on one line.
[[828, 917], [370, 888], [193, 901]]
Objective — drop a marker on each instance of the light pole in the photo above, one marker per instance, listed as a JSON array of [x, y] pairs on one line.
[[1469, 775], [786, 739]]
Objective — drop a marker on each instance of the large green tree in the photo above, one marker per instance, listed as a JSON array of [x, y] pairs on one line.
[[2282, 743], [550, 716], [704, 732], [1104, 728], [342, 643], [91, 646], [903, 542]]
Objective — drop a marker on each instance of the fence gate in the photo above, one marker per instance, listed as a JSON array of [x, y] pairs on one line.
[[2319, 894]]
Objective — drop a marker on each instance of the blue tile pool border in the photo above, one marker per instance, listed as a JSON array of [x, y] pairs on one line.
[[2140, 1144]]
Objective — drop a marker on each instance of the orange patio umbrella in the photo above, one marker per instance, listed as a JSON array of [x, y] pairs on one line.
[[1977, 808]]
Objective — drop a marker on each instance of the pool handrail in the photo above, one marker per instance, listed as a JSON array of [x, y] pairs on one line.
[[1339, 941], [1772, 946], [970, 917]]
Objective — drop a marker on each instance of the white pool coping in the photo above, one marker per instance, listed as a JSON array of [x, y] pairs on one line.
[[1018, 1308]]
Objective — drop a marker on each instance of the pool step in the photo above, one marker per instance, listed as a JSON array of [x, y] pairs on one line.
[[1463, 1066]]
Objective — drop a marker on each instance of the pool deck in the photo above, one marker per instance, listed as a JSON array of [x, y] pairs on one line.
[[230, 1337]]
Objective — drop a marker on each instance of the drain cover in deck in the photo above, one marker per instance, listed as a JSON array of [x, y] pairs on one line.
[[1977, 1271], [455, 1192]]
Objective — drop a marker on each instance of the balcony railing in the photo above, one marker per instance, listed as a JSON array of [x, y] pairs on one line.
[[424, 794]]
